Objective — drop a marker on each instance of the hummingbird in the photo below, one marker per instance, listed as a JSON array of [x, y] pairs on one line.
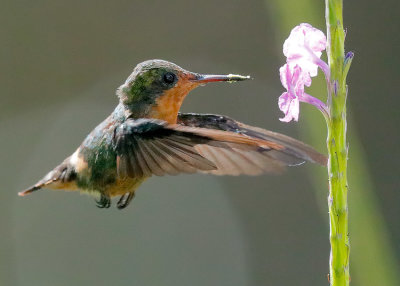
[[146, 135]]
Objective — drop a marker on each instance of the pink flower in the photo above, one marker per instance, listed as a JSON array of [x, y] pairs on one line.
[[304, 47], [289, 105], [294, 79]]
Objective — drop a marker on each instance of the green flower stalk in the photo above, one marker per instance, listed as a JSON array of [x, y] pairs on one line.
[[303, 49], [337, 145]]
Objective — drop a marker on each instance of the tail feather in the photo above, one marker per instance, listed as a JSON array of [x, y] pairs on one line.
[[33, 188], [55, 179]]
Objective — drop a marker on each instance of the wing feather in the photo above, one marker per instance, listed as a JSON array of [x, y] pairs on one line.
[[166, 163], [146, 161], [204, 143], [175, 157]]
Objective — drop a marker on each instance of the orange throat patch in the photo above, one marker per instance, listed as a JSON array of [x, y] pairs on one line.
[[167, 105]]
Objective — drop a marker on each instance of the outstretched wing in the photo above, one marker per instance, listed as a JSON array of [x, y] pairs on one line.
[[147, 146], [291, 151]]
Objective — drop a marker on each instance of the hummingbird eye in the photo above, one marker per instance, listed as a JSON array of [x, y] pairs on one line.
[[169, 77]]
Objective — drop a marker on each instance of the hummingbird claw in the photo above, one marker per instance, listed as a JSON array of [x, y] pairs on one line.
[[125, 200], [104, 202]]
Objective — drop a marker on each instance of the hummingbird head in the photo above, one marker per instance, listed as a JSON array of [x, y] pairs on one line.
[[157, 88]]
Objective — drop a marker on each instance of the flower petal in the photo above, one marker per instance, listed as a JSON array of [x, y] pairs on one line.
[[304, 47], [290, 106], [283, 75]]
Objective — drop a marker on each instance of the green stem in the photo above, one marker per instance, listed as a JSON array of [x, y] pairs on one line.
[[373, 257], [337, 147]]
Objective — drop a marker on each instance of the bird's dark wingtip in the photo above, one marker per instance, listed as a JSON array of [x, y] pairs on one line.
[[320, 159]]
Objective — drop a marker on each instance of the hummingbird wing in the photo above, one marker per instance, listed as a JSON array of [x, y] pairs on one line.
[[148, 146], [292, 151], [145, 147]]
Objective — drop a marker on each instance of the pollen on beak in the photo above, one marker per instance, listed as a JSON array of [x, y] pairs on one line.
[[205, 78]]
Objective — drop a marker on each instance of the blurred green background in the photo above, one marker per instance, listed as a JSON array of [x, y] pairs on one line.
[[61, 62]]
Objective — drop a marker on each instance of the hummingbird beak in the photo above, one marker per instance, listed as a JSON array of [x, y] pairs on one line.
[[206, 78]]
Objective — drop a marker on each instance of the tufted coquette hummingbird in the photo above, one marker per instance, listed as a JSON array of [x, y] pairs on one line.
[[146, 135]]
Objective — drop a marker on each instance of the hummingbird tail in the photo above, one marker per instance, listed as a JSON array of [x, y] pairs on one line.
[[29, 190], [60, 177], [47, 180]]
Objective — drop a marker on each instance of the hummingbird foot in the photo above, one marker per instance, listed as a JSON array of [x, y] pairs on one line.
[[125, 200], [104, 202]]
